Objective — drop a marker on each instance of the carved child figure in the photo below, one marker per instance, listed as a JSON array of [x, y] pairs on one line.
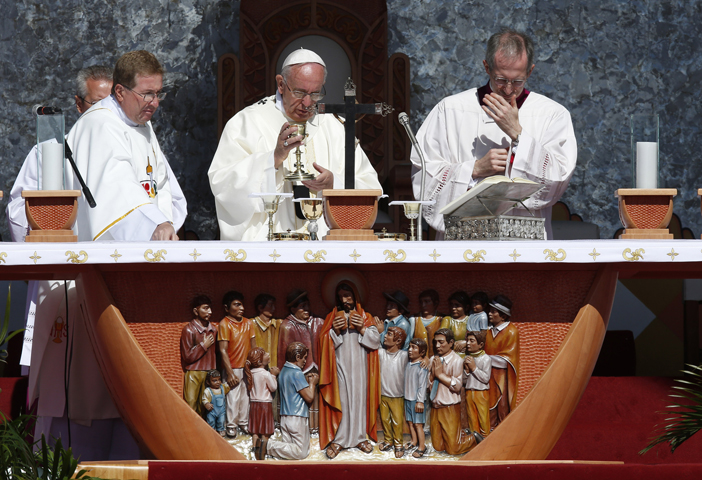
[[477, 367], [502, 344], [261, 384], [267, 329], [296, 394], [393, 361], [197, 356], [416, 378], [478, 319], [214, 401], [447, 376], [236, 338]]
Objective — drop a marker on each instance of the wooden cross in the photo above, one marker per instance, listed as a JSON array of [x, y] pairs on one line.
[[349, 109]]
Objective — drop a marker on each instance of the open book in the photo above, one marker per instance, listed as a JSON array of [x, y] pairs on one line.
[[491, 197]]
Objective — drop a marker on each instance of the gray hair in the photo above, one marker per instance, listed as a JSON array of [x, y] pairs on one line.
[[511, 43], [95, 72], [285, 72]]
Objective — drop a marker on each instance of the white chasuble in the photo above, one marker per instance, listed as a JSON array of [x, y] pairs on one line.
[[244, 164], [458, 132], [112, 153]]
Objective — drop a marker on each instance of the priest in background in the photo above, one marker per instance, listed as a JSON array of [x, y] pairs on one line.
[[500, 128], [116, 150], [257, 147]]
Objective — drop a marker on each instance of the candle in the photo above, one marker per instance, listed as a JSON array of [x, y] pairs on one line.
[[51, 166], [646, 165]]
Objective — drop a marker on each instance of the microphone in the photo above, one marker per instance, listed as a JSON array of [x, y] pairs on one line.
[[86, 191], [403, 118], [42, 110]]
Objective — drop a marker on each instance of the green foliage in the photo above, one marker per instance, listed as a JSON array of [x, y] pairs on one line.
[[683, 419], [4, 336], [19, 461]]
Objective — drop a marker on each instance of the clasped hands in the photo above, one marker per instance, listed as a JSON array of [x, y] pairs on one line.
[[285, 143], [506, 116]]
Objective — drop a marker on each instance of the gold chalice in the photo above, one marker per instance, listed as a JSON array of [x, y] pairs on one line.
[[312, 209], [270, 206], [413, 210], [299, 175]]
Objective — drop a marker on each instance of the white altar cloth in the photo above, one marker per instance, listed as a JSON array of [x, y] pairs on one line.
[[350, 253]]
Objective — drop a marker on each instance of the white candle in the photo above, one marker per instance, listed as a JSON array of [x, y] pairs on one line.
[[51, 166], [646, 165]]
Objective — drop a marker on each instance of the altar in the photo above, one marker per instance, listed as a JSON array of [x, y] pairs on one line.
[[562, 293]]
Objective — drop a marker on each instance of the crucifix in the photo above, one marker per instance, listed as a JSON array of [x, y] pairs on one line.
[[349, 109]]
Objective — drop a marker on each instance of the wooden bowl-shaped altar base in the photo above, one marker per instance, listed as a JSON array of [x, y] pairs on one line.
[[646, 213]]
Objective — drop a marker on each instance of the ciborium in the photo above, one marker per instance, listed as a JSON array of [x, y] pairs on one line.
[[270, 206], [312, 209], [299, 175]]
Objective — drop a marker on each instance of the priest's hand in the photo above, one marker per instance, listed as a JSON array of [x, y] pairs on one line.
[[325, 179], [505, 114], [493, 163], [285, 144], [164, 231]]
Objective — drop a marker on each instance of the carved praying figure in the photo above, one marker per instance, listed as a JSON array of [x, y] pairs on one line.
[[477, 367], [197, 356]]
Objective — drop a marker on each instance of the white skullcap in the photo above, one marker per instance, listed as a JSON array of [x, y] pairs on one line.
[[301, 56]]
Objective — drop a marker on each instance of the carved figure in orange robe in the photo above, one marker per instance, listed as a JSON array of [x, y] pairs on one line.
[[349, 375], [502, 344]]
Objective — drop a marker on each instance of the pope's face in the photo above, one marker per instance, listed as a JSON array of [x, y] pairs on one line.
[[307, 78], [508, 69], [135, 107], [97, 90], [302, 311]]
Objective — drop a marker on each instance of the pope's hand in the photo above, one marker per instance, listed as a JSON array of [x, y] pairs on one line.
[[325, 179], [285, 144], [505, 114], [493, 163], [164, 231]]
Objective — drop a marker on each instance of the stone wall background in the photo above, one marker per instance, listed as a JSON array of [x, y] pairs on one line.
[[603, 61]]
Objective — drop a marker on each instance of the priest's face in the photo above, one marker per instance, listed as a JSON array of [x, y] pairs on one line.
[[132, 100], [307, 78], [97, 89], [509, 75]]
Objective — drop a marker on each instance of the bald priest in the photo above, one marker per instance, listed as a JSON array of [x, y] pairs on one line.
[[257, 148]]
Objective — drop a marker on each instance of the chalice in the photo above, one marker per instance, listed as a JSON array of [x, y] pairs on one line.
[[299, 175], [312, 209], [270, 206], [412, 211]]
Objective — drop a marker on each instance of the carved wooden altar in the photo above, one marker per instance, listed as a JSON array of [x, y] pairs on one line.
[[268, 26]]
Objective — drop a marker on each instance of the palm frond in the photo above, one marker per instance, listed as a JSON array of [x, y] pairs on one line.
[[683, 419]]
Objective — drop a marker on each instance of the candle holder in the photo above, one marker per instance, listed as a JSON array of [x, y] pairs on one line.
[[412, 210], [644, 150], [299, 175], [312, 209], [646, 213], [270, 206]]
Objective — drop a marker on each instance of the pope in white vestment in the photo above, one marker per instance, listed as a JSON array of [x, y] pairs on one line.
[[244, 162], [459, 131]]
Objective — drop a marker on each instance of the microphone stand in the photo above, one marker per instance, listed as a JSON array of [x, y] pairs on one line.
[[86, 191], [403, 118]]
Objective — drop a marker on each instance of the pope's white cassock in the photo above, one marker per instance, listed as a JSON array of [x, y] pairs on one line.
[[458, 132], [244, 164], [97, 432]]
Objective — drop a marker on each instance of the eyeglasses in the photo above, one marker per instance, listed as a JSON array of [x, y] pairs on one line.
[[300, 94], [503, 82], [82, 99], [148, 97]]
